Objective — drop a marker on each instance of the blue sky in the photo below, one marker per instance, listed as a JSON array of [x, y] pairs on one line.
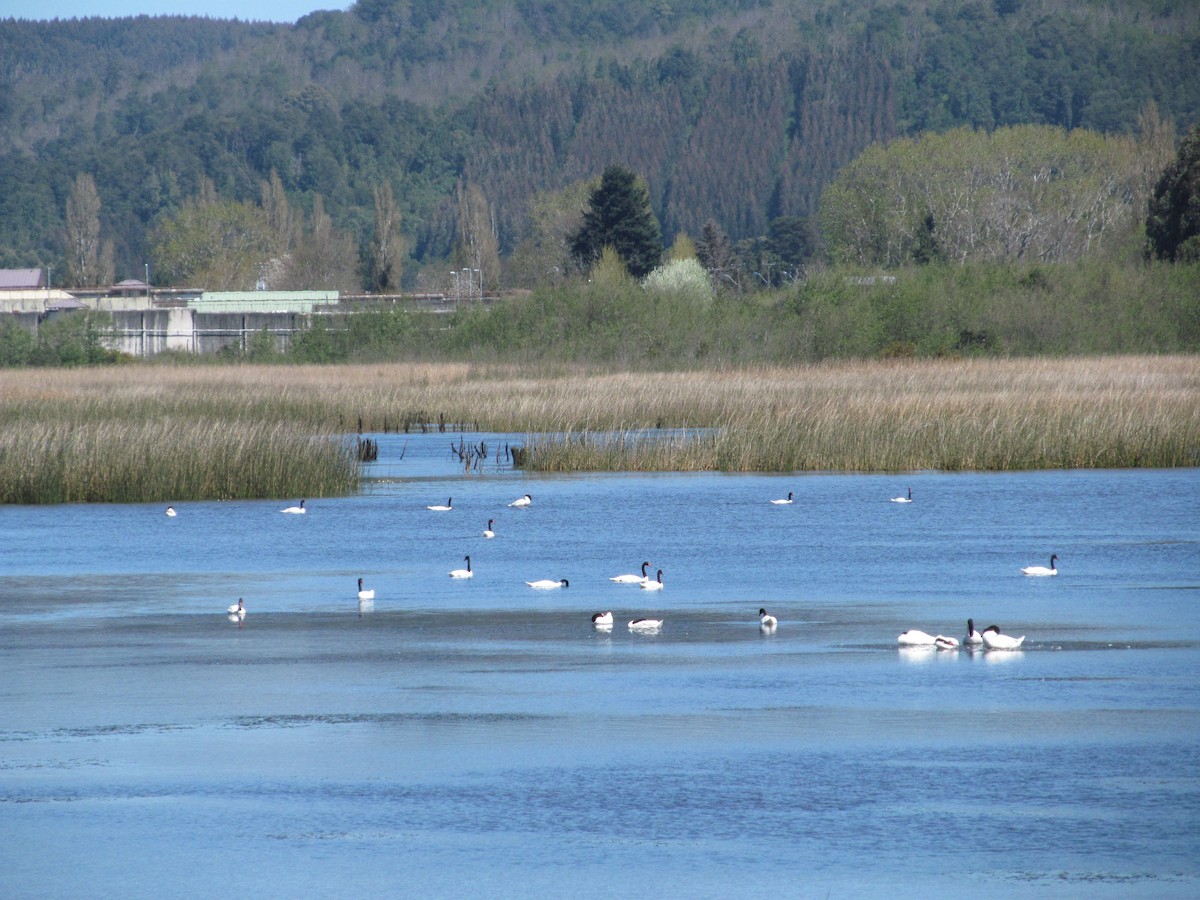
[[259, 10]]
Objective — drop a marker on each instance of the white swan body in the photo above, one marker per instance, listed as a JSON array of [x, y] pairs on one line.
[[645, 624], [295, 510], [463, 573], [994, 640], [785, 501], [649, 585], [603, 620], [522, 501], [238, 609], [487, 532], [171, 511], [916, 638], [1052, 569], [365, 595], [767, 621], [631, 578], [945, 643], [907, 499], [973, 638], [449, 506], [546, 584]]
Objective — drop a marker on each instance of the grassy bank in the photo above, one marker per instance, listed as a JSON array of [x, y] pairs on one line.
[[169, 433]]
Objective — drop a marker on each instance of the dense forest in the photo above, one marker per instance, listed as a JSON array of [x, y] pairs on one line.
[[461, 117]]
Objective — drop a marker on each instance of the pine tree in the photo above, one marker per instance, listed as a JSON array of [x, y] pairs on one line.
[[619, 216], [1173, 225]]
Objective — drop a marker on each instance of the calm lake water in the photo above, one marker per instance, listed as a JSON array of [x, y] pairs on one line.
[[479, 738]]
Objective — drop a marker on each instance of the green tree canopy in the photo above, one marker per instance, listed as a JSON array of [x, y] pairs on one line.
[[619, 216], [1173, 225]]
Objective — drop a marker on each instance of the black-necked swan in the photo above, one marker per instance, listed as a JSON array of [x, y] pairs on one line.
[[784, 501], [945, 643], [546, 584], [649, 585], [171, 511], [994, 640], [645, 624], [766, 620], [907, 499], [295, 510], [973, 638], [603, 620], [631, 578], [365, 595], [1043, 570], [238, 609], [449, 506], [463, 573], [487, 532], [522, 501]]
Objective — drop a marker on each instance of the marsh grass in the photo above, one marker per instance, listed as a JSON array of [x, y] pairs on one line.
[[115, 461], [163, 432]]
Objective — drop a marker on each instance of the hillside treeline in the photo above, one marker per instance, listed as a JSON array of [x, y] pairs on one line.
[[735, 114]]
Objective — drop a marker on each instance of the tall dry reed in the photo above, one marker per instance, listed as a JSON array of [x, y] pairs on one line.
[[865, 416]]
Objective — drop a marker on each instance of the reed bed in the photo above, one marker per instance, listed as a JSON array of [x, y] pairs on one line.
[[170, 460], [164, 432]]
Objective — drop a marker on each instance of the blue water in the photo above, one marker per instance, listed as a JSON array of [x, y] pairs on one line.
[[480, 739]]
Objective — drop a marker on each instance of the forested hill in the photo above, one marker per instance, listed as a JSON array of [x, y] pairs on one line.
[[738, 111]]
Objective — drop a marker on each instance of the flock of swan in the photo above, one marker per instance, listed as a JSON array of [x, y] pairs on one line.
[[991, 638]]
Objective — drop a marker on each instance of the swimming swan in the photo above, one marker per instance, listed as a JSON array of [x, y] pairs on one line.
[[522, 501], [631, 578], [546, 584], [907, 499], [487, 532], [171, 511], [767, 621], [649, 585], [603, 620], [365, 595], [994, 640], [449, 506], [463, 573], [973, 638], [785, 501], [916, 638], [945, 643], [295, 510], [1043, 570], [645, 625], [238, 609]]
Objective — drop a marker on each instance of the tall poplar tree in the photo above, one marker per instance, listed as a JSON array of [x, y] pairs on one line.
[[387, 244], [619, 216], [89, 262]]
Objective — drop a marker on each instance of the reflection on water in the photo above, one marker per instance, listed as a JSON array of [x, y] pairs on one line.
[[477, 738]]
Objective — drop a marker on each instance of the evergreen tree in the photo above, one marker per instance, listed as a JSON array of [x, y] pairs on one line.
[[619, 216], [1173, 225]]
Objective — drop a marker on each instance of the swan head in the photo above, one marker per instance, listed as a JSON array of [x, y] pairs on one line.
[[992, 629], [360, 584], [762, 612], [565, 583]]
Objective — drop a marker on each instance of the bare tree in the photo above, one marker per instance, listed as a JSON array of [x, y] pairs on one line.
[[479, 248], [89, 262], [387, 244]]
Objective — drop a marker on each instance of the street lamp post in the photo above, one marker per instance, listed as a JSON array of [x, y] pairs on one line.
[[456, 290], [479, 275]]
